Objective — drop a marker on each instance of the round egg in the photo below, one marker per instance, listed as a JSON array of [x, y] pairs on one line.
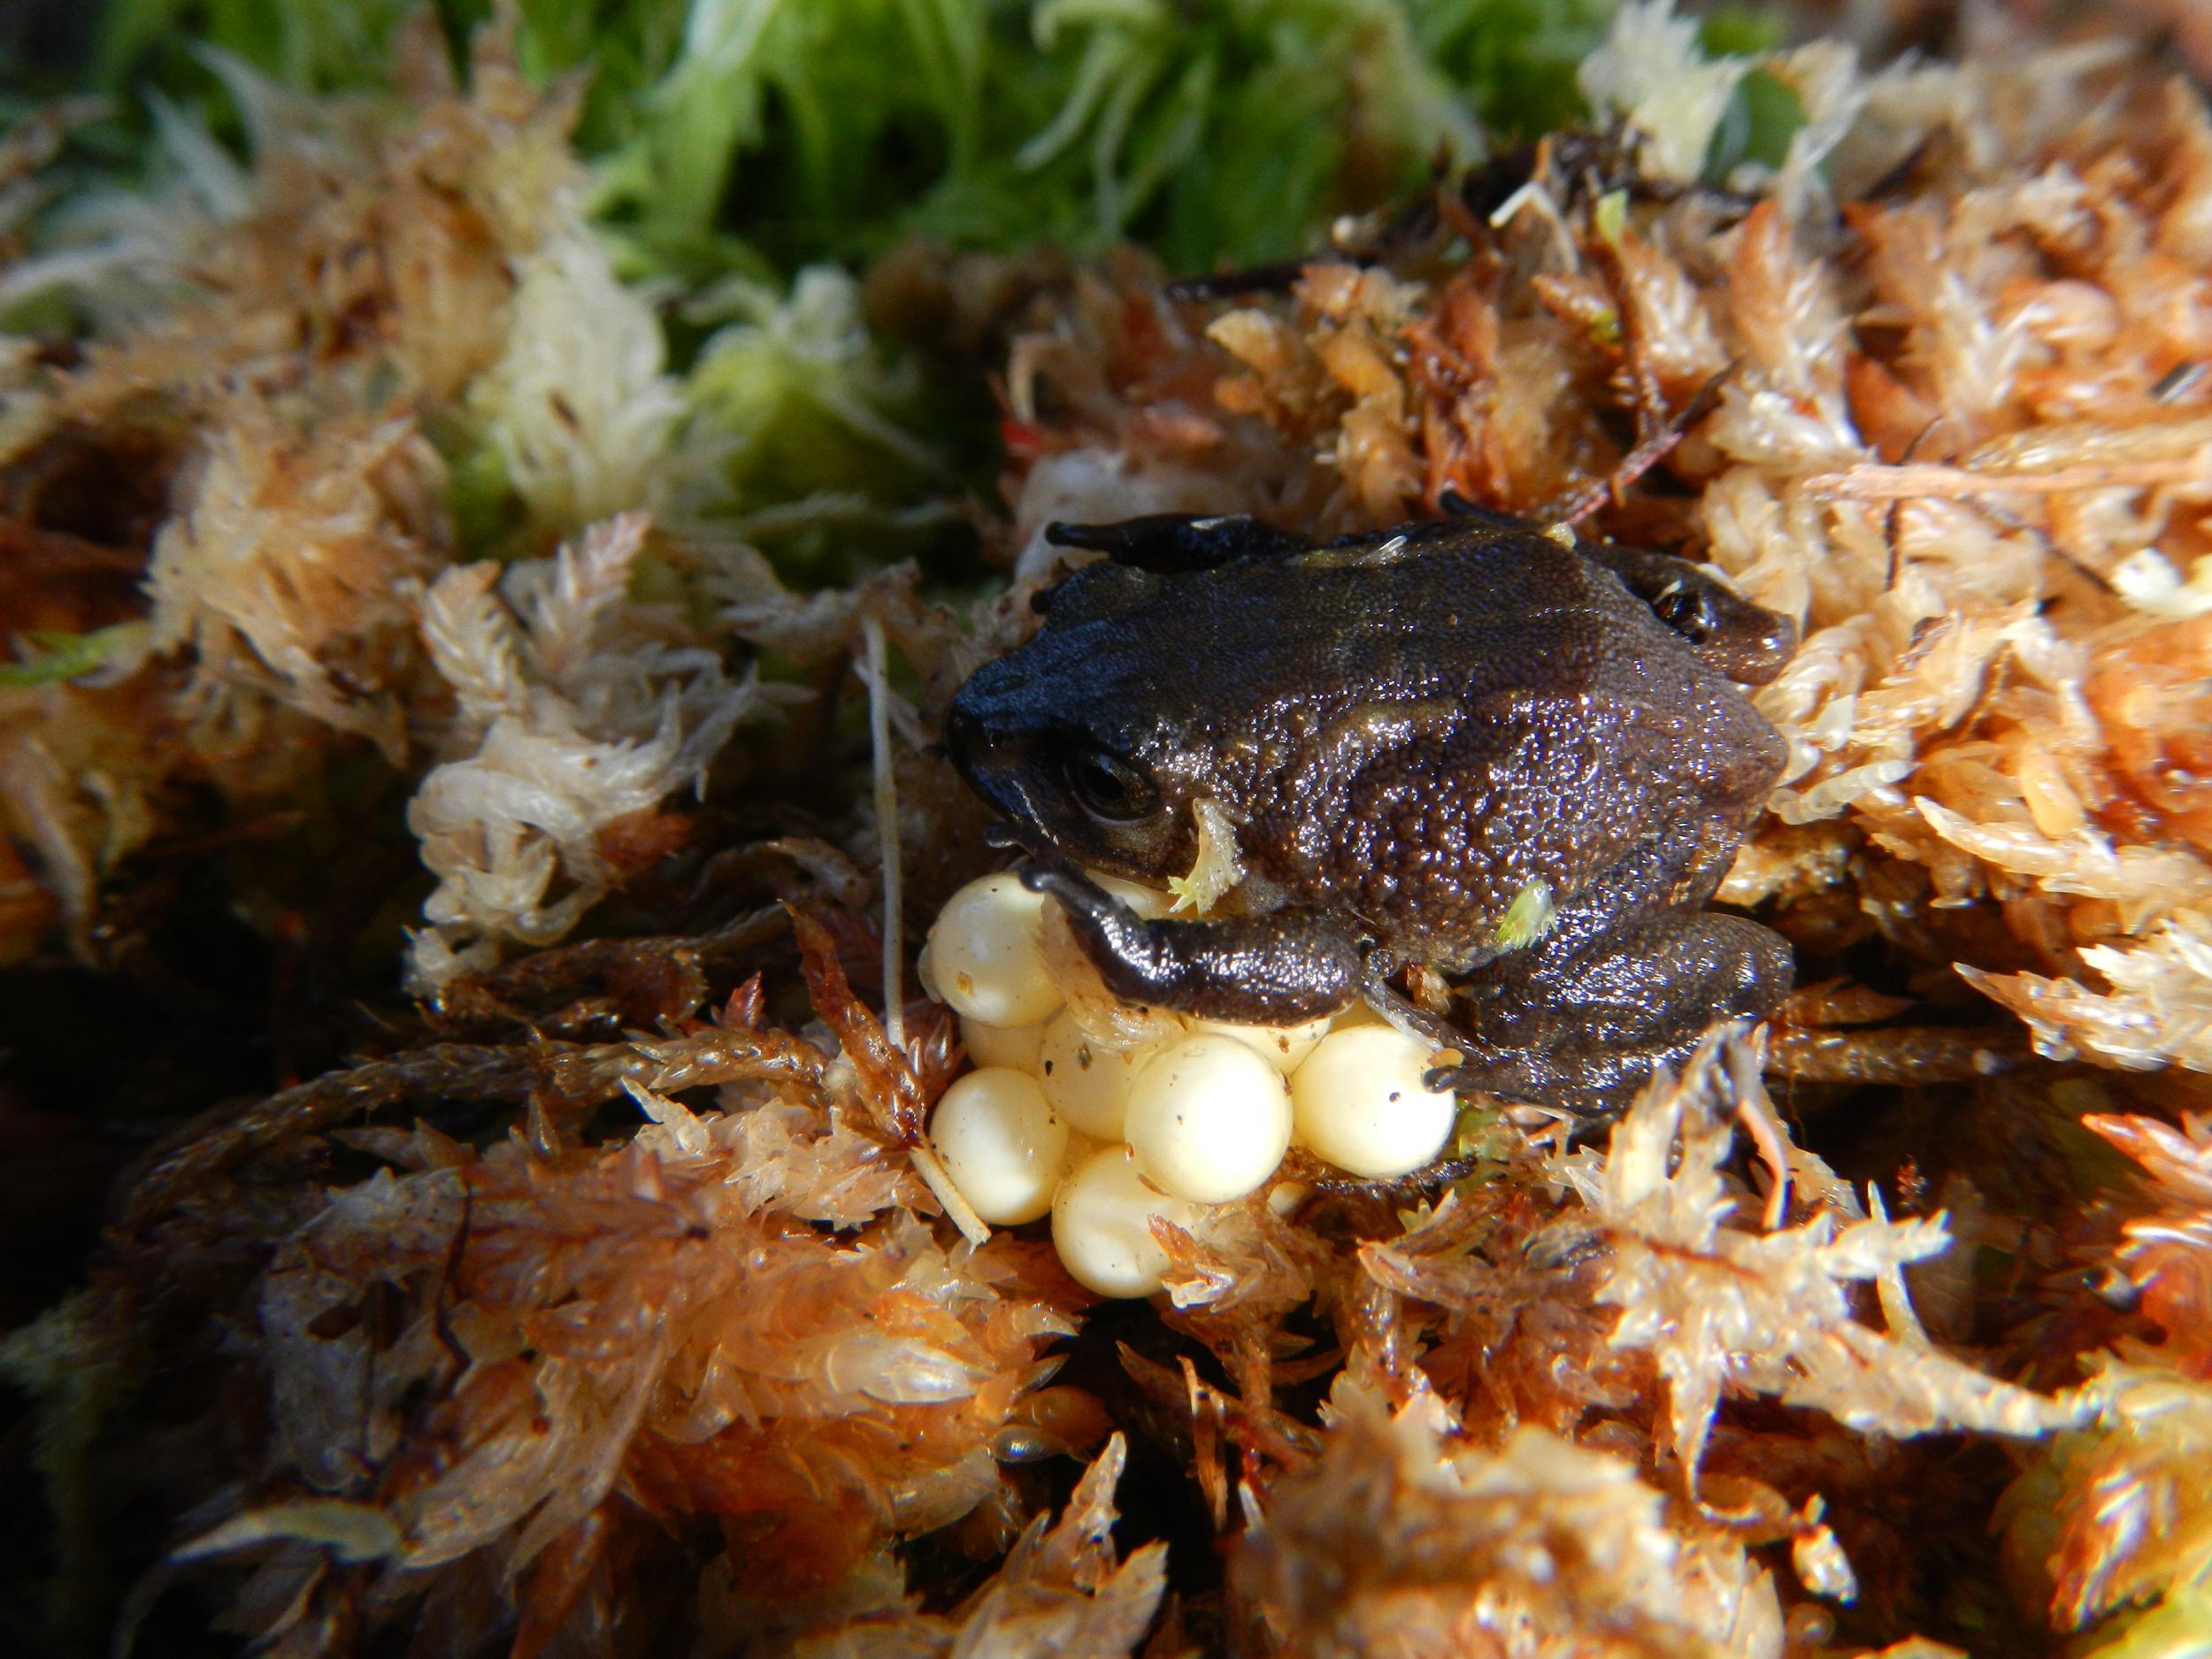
[[1282, 1046], [983, 954], [1361, 1013], [1014, 1046], [1001, 1144], [1085, 1081], [1359, 1102], [1150, 903], [1101, 1225], [1208, 1118]]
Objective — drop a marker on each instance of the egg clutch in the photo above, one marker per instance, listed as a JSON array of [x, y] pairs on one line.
[[1104, 1115], [1516, 757]]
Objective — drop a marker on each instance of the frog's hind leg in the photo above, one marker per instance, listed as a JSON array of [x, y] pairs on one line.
[[1167, 542], [1585, 1032]]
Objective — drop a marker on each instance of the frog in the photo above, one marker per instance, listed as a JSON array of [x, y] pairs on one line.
[[1503, 764]]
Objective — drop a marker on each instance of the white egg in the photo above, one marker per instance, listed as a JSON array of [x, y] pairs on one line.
[[1282, 1046], [1208, 1119], [983, 954], [1002, 1146], [1101, 1225], [1087, 1080], [1014, 1046], [1361, 1104], [1150, 903]]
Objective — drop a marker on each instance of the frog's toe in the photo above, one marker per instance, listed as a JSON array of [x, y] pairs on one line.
[[1573, 1087], [1166, 542], [1065, 884]]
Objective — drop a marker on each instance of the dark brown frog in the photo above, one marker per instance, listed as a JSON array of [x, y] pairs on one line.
[[1516, 757]]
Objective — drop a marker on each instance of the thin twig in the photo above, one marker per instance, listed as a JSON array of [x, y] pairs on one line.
[[1577, 506], [1875, 482], [887, 833]]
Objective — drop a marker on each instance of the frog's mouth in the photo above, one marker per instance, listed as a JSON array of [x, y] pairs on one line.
[[1002, 769]]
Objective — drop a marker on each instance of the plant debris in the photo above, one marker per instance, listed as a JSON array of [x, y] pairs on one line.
[[429, 591]]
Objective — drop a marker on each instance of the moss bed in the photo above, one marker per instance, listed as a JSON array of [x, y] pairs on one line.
[[467, 481]]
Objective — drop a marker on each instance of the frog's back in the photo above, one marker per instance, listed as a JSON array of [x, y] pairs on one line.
[[1477, 616], [1527, 634], [1472, 714]]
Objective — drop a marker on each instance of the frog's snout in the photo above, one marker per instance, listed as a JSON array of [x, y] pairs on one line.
[[963, 736], [976, 754], [988, 760], [979, 735]]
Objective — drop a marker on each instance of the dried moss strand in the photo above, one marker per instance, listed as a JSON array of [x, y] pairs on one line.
[[558, 1072], [1912, 1054], [887, 1081], [568, 968]]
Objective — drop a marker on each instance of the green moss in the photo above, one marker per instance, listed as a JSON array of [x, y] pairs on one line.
[[736, 142], [1762, 115], [1739, 31], [1215, 130], [56, 655]]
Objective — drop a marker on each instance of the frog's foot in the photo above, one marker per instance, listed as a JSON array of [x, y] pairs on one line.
[[1468, 510], [1165, 542], [1411, 1188], [1586, 1033], [1400, 1011], [1509, 1073], [1279, 968]]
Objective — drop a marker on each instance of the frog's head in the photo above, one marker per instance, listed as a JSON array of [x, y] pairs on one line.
[[1086, 738]]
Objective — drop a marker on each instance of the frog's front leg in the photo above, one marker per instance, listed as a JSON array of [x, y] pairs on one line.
[[1278, 968]]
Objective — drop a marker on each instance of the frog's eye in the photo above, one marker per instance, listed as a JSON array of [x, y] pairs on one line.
[[1685, 610], [1109, 788]]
